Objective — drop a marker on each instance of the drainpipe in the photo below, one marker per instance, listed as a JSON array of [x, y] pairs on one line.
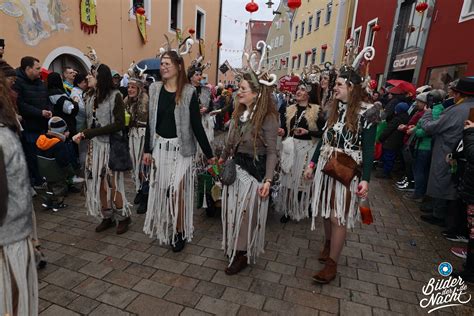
[[354, 15], [339, 29], [392, 39], [423, 41], [218, 40]]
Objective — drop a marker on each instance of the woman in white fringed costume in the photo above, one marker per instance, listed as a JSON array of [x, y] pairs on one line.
[[252, 141], [302, 126], [174, 124], [18, 277], [105, 189], [350, 129]]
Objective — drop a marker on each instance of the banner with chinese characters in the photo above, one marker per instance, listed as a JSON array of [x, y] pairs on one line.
[[88, 16], [141, 23]]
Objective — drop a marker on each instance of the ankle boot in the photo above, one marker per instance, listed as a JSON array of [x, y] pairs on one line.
[[122, 226], [328, 273], [324, 254], [239, 263], [179, 244], [104, 225]]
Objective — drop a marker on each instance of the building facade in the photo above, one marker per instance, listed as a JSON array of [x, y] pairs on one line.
[[256, 31], [279, 38], [50, 30], [318, 33]]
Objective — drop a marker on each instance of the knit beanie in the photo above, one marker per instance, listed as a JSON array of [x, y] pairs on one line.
[[401, 107], [7, 70], [57, 125]]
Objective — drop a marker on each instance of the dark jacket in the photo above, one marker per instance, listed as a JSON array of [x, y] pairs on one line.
[[389, 108], [61, 104], [466, 187], [52, 147], [32, 100], [391, 137]]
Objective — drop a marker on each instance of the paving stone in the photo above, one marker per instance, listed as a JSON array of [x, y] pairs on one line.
[[400, 295], [265, 275], [57, 295], [42, 305], [166, 264], [370, 300], [122, 278], [97, 270], [335, 290], [174, 280], [279, 307], [193, 312], [281, 268], [210, 289], [376, 256], [116, 263], [405, 309], [351, 308], [410, 285], [390, 269], [201, 273], [151, 288], [183, 297], [357, 285], [305, 284], [217, 306], [157, 250], [384, 312], [136, 256], [140, 270], [56, 310], [243, 298], [186, 257], [268, 289], [248, 311], [115, 240], [219, 265], [65, 278], [92, 287], [148, 305], [113, 251], [107, 310], [290, 260], [378, 278], [312, 300], [117, 296], [237, 281], [71, 262], [83, 305]]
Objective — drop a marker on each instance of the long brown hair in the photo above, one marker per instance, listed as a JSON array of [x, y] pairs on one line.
[[7, 109], [354, 104], [264, 106], [181, 81]]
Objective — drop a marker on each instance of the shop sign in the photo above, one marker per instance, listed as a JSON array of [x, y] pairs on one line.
[[405, 61]]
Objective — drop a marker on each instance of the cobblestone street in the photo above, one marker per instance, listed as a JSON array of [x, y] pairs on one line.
[[381, 271]]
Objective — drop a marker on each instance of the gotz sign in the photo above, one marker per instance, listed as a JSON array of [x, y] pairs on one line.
[[405, 61]]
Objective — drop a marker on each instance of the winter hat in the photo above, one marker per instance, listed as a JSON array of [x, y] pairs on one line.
[[436, 96], [401, 107], [57, 125], [7, 70], [422, 97], [423, 89]]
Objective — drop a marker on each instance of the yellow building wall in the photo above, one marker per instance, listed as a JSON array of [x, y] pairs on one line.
[[333, 34], [117, 41]]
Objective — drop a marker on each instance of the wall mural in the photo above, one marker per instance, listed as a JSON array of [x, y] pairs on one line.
[[36, 19]]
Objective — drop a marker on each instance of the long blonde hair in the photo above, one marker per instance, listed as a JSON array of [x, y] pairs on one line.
[[354, 104]]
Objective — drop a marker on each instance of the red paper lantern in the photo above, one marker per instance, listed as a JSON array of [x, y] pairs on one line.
[[140, 10], [373, 84], [251, 7], [376, 28], [219, 44], [282, 61], [294, 57], [421, 7], [324, 46], [192, 31], [308, 52], [411, 28], [294, 4]]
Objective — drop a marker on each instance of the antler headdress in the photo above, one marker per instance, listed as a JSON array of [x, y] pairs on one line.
[[255, 68], [92, 56], [196, 64], [183, 48], [351, 70], [136, 74]]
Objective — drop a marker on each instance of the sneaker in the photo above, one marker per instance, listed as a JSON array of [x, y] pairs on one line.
[[141, 209], [42, 186], [402, 181], [284, 219], [460, 252], [105, 224], [406, 187], [456, 237], [412, 197], [76, 180], [122, 226], [138, 197], [432, 220]]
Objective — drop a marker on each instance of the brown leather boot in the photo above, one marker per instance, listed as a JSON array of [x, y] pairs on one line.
[[122, 226], [328, 273], [104, 225], [239, 263], [324, 254]]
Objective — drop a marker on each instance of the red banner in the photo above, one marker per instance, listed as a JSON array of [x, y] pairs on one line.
[[288, 83]]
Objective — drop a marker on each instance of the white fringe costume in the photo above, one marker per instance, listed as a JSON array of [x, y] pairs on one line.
[[323, 185], [290, 201], [97, 164], [244, 217], [17, 266], [136, 143], [171, 176], [208, 122]]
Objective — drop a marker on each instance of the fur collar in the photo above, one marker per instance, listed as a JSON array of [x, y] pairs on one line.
[[311, 116]]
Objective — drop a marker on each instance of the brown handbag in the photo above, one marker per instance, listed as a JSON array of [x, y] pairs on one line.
[[341, 167]]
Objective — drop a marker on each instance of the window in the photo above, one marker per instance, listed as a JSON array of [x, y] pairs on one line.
[[439, 77], [296, 32], [323, 56], [293, 63], [328, 12], [272, 42], [302, 29], [286, 62], [299, 61], [175, 14], [310, 24], [357, 36], [306, 58], [200, 23], [281, 40], [145, 4], [313, 56], [370, 34], [318, 20], [467, 11]]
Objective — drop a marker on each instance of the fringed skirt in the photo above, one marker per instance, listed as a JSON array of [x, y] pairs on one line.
[[208, 122], [136, 141], [244, 217], [332, 197], [295, 192], [97, 169], [171, 189], [19, 282]]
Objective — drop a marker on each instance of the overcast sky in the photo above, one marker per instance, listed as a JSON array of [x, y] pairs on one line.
[[233, 34]]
